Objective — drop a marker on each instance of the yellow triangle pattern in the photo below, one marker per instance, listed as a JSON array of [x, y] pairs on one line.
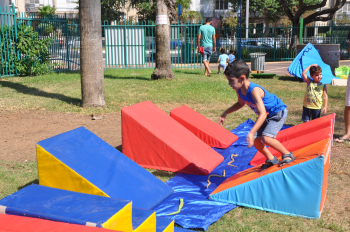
[[53, 173]]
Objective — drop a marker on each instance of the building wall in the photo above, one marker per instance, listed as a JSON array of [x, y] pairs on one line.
[[205, 7]]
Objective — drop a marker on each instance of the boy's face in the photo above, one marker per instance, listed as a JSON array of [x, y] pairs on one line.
[[317, 77], [235, 83]]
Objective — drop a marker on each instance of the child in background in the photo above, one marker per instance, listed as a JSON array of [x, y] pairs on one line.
[[223, 58], [271, 111], [315, 92], [231, 57]]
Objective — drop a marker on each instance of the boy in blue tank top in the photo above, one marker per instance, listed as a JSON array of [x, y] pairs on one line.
[[271, 111]]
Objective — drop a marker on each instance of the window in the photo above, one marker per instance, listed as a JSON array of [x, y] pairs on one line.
[[221, 4], [345, 8]]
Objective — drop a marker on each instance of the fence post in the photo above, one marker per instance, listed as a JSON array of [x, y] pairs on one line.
[[15, 26], [274, 50], [125, 49], [301, 31], [331, 32], [66, 21]]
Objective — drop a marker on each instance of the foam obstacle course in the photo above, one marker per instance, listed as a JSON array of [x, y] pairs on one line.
[[300, 136], [83, 209], [154, 140], [13, 223], [80, 161], [85, 181], [208, 131]]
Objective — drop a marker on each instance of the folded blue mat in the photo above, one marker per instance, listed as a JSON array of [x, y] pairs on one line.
[[198, 211], [308, 56]]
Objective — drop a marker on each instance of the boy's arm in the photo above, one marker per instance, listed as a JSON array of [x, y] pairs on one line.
[[214, 42], [257, 95], [325, 99], [306, 79], [198, 41], [239, 104]]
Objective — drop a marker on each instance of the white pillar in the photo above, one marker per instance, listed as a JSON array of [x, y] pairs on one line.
[[247, 19]]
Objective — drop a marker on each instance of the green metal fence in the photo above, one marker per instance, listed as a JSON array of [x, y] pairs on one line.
[[57, 28], [279, 41], [133, 45]]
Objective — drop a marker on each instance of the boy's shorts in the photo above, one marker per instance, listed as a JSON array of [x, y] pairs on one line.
[[208, 51], [223, 66], [347, 98], [272, 124], [310, 114]]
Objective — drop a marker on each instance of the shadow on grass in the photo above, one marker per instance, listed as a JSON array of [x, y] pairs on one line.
[[37, 92], [129, 77], [36, 181], [163, 174], [289, 78], [187, 72]]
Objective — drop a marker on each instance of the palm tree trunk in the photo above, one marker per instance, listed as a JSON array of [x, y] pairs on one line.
[[163, 56], [91, 60]]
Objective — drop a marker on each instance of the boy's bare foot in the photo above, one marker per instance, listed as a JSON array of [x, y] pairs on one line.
[[342, 139]]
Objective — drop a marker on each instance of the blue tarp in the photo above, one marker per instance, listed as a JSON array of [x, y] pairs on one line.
[[308, 56], [198, 211]]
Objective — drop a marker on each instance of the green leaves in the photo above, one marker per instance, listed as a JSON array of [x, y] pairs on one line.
[[46, 10], [34, 54]]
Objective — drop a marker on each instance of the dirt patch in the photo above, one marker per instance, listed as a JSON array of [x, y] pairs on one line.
[[20, 131]]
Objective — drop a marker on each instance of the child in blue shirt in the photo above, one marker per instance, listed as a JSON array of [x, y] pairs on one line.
[[271, 111], [223, 58], [231, 57]]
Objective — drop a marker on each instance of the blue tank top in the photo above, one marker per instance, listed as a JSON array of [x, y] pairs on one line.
[[272, 103]]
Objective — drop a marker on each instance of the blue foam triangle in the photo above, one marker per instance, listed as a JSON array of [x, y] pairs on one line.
[[294, 191], [307, 56], [107, 168]]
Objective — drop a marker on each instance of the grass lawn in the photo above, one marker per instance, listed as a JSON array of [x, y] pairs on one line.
[[209, 96]]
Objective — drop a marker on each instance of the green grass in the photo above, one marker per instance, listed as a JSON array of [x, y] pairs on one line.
[[15, 175], [209, 96]]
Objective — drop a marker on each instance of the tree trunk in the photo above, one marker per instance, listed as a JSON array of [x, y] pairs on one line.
[[91, 60], [163, 57]]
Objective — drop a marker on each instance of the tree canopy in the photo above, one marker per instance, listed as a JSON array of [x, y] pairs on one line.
[[273, 10]]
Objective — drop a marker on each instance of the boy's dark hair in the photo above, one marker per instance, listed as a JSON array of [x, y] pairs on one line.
[[237, 68], [222, 50], [208, 20], [231, 51], [315, 69]]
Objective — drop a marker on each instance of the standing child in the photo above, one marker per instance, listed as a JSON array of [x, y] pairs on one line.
[[231, 57], [315, 92], [271, 111], [223, 58]]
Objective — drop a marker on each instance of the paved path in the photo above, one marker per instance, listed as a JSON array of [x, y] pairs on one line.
[[280, 68]]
